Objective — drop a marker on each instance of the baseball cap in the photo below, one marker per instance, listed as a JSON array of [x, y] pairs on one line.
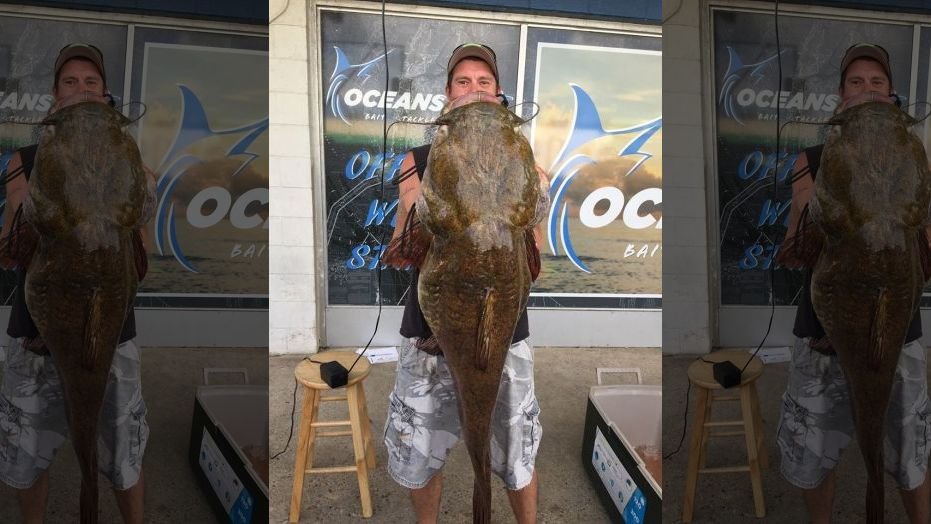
[[479, 51], [78, 50], [864, 50]]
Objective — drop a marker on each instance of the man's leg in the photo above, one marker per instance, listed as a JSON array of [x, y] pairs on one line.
[[908, 424], [516, 432], [32, 415], [820, 500], [123, 431], [33, 500], [524, 501], [426, 500], [815, 427], [421, 428], [916, 502], [131, 501]]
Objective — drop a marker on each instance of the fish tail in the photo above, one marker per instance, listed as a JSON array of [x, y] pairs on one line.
[[476, 405], [877, 329], [83, 397], [869, 431], [481, 499], [84, 440], [477, 436], [483, 340], [871, 446], [874, 501], [89, 496]]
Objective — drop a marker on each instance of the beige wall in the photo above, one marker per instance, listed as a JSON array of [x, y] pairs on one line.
[[687, 309], [293, 316]]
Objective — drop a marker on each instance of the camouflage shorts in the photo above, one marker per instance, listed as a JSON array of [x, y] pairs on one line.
[[33, 424], [817, 423], [423, 418]]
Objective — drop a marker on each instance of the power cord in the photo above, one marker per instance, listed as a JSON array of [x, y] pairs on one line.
[[333, 373], [291, 430], [685, 423], [772, 266]]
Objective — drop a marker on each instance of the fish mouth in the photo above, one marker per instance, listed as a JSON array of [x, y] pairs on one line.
[[485, 106], [869, 109], [95, 113]]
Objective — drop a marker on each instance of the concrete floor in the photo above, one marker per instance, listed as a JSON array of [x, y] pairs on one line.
[[563, 378], [727, 498], [170, 377]]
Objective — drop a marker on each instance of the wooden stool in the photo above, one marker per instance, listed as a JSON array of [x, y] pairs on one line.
[[702, 378], [307, 373]]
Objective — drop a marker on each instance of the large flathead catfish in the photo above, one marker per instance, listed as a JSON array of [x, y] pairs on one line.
[[871, 201], [87, 194], [480, 195]]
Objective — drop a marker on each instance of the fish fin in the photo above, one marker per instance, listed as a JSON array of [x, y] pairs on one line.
[[91, 330], [411, 246], [17, 248], [924, 253], [804, 246], [37, 345], [877, 329], [533, 255], [483, 342], [140, 257]]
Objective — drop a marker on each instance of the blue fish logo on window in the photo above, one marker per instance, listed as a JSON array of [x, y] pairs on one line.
[[194, 127], [737, 71], [343, 72], [587, 127]]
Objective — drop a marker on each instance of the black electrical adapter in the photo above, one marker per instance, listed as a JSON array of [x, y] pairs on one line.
[[334, 374], [726, 374]]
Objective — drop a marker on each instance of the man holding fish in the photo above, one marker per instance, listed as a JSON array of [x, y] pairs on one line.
[[33, 421], [423, 423], [817, 422]]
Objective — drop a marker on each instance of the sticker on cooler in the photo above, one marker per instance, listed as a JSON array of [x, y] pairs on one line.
[[628, 498], [236, 500]]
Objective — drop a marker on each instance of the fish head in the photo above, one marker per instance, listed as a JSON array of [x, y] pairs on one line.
[[873, 184], [88, 170], [481, 175]]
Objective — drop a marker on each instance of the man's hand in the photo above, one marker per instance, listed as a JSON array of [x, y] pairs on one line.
[[821, 345]]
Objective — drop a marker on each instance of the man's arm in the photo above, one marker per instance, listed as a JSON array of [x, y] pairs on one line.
[[408, 245], [16, 190], [144, 230], [926, 253], [803, 189], [408, 191], [534, 259], [545, 187]]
